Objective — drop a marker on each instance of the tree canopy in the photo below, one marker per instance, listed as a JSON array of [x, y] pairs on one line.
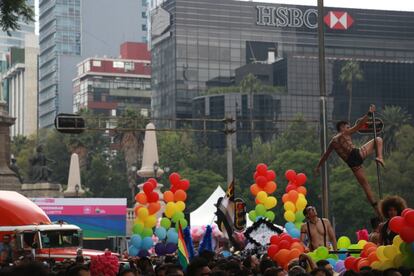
[[11, 11]]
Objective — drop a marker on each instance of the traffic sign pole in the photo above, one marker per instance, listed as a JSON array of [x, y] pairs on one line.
[[376, 155]]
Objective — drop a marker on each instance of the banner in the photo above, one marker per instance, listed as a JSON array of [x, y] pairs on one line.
[[98, 217]]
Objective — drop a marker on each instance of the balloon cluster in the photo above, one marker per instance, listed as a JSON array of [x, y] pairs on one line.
[[262, 188], [294, 202], [404, 225], [174, 199], [284, 248], [197, 232], [322, 253], [106, 264], [146, 210]]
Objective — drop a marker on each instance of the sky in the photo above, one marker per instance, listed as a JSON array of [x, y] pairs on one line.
[[398, 5]]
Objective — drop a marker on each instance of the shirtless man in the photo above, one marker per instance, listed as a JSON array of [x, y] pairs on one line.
[[318, 231], [354, 157]]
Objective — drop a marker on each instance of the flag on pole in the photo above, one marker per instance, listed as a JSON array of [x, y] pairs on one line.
[[183, 257]]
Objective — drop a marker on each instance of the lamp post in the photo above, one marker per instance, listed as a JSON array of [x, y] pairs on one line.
[[155, 166], [77, 190]]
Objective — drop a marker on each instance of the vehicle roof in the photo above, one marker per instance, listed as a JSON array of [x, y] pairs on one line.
[[49, 227]]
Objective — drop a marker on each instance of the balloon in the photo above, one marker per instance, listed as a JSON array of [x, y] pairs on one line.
[[260, 210], [183, 222], [293, 195], [363, 263], [136, 241], [150, 221], [339, 266], [407, 234], [261, 169], [154, 207], [270, 202], [172, 236], [137, 228], [285, 198], [261, 181], [344, 242], [133, 251], [252, 215], [166, 223], [390, 252], [397, 241], [161, 233], [282, 257], [295, 233], [322, 252], [361, 243], [168, 196], [180, 205], [270, 175], [272, 250], [174, 178], [180, 195], [301, 190], [299, 216], [261, 196], [177, 216], [301, 204], [153, 197], [300, 179], [380, 253], [170, 209], [148, 188], [270, 215], [274, 239], [289, 216], [349, 263], [289, 225], [270, 187], [372, 257], [290, 175], [289, 206], [146, 243], [141, 198], [160, 249], [255, 189], [185, 184], [396, 224], [170, 248], [294, 253], [143, 213], [147, 232]]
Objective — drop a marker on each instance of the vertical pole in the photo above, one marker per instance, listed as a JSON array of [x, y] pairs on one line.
[[323, 109], [228, 131], [376, 155]]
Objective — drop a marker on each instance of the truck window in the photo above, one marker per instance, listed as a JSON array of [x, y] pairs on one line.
[[61, 238]]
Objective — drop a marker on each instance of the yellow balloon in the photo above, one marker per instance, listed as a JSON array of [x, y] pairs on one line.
[[390, 252], [376, 265], [289, 206], [261, 197], [143, 213], [170, 209], [386, 264], [301, 196], [180, 205], [361, 244], [301, 204], [397, 242], [398, 260], [289, 216], [150, 222], [380, 253], [270, 202]]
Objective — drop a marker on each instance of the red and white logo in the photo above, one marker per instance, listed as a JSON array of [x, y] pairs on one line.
[[338, 20]]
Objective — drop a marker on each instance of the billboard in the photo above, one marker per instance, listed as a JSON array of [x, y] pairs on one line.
[[98, 217]]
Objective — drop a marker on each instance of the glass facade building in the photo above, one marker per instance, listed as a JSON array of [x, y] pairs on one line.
[[194, 42]]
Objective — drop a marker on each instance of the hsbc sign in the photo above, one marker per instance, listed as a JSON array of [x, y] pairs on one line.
[[297, 18]]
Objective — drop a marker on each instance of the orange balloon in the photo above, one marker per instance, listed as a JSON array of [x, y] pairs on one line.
[[168, 196], [294, 253], [180, 195], [302, 190], [136, 209], [369, 245], [362, 263], [255, 189], [372, 257], [141, 198], [370, 250], [293, 195], [282, 257], [285, 198], [298, 246], [270, 187], [154, 207]]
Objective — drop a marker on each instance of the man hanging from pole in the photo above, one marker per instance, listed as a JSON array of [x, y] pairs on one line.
[[354, 157]]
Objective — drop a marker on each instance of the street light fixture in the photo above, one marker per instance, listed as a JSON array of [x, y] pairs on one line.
[[155, 167]]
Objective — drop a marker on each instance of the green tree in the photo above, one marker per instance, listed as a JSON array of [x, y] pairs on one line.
[[350, 72], [13, 10], [394, 118]]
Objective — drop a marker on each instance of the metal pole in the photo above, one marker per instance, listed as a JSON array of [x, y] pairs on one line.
[[228, 131], [376, 155], [323, 109]]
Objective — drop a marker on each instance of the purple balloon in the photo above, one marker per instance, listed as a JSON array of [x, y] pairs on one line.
[[170, 248], [340, 265], [143, 253], [160, 249]]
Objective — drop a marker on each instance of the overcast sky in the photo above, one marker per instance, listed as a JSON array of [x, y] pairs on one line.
[[398, 5]]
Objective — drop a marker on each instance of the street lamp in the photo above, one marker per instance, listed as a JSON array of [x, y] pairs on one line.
[[77, 190], [155, 167]]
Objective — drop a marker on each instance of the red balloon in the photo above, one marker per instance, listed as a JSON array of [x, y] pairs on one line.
[[153, 197], [153, 181], [261, 181], [270, 175], [364, 262], [300, 179], [272, 250], [184, 184], [396, 224], [261, 169], [409, 218], [255, 175], [286, 237], [290, 187], [284, 244], [148, 188], [274, 239], [290, 175], [174, 178], [405, 211], [349, 263], [407, 234]]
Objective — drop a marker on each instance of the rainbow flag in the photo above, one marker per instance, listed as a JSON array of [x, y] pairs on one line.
[[183, 257]]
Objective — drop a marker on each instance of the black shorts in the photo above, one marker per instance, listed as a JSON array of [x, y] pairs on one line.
[[355, 159]]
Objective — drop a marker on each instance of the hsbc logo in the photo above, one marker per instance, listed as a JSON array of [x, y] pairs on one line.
[[296, 18], [338, 20]]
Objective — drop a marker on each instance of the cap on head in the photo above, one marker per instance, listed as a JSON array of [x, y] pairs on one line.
[[307, 208]]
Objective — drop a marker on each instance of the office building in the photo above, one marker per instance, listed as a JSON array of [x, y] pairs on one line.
[[71, 31], [108, 86]]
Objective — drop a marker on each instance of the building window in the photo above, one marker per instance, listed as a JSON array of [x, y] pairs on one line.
[[144, 14], [144, 3], [144, 27]]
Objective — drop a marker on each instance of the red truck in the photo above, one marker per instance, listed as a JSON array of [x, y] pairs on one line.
[[32, 231]]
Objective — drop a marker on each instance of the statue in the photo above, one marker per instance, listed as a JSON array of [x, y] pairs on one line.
[[15, 168], [40, 172]]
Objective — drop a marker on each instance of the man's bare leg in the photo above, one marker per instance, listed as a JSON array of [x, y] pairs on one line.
[[360, 176], [368, 149]]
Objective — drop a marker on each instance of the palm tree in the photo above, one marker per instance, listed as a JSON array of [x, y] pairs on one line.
[[394, 118], [250, 84], [350, 72]]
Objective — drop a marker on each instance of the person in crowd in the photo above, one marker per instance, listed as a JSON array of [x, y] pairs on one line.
[[324, 264], [296, 270], [275, 271], [128, 272], [320, 272], [317, 231], [374, 236], [6, 245], [79, 256], [266, 263], [198, 267], [145, 266], [78, 270], [252, 263], [391, 206], [354, 157]]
